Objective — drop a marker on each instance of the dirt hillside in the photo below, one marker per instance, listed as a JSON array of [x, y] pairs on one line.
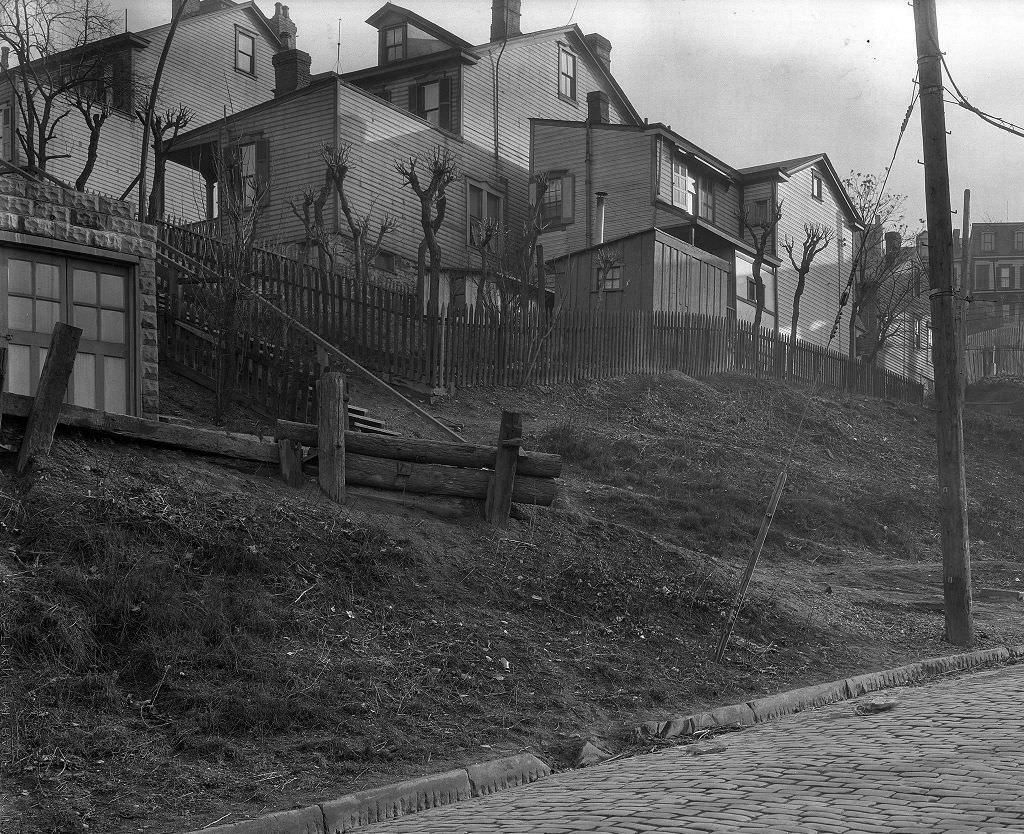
[[186, 640]]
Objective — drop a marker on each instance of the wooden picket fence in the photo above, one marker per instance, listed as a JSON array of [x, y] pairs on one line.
[[386, 330]]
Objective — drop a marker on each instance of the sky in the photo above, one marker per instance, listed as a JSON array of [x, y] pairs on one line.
[[755, 81]]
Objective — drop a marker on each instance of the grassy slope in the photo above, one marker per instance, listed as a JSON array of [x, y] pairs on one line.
[[185, 640]]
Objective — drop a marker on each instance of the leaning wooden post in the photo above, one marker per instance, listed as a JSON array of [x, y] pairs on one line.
[[53, 385], [499, 490], [291, 458], [332, 409]]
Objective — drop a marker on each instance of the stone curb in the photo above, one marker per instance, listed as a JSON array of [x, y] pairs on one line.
[[796, 700], [357, 810]]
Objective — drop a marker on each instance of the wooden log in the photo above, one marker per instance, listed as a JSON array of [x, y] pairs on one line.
[[291, 462], [333, 419], [435, 479], [499, 489], [190, 438], [535, 464], [53, 386]]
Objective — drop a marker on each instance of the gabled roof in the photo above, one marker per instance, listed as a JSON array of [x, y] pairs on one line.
[[391, 14], [209, 7], [787, 167], [574, 31]]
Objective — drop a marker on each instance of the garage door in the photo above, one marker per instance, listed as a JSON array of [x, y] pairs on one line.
[[42, 288]]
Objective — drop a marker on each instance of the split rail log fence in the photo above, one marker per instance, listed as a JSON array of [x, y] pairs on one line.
[[387, 331]]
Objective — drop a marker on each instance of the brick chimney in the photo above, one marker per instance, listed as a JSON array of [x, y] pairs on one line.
[[505, 19], [191, 7], [291, 71], [283, 26], [602, 49], [893, 243], [597, 107]]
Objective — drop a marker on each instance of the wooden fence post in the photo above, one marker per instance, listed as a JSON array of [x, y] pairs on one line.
[[332, 410], [53, 385], [499, 490], [291, 458]]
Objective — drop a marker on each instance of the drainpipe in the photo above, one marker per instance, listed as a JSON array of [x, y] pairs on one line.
[[601, 195], [590, 229]]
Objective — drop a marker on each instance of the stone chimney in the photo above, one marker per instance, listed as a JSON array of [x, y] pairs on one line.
[[291, 71], [283, 26], [505, 19], [191, 7], [597, 107], [602, 49]]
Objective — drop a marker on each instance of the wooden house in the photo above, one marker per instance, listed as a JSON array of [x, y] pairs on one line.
[[429, 88], [221, 56], [810, 192], [643, 186]]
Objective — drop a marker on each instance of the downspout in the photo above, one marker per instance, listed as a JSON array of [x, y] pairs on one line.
[[589, 168], [495, 66], [601, 197]]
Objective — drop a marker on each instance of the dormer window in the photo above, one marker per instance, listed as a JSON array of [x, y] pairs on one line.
[[566, 74], [988, 241], [392, 44], [1018, 240], [245, 52]]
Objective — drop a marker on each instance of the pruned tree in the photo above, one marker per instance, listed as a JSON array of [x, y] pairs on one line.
[[817, 238], [165, 128], [441, 172], [760, 224], [367, 238], [54, 69], [223, 294], [886, 283], [310, 213]]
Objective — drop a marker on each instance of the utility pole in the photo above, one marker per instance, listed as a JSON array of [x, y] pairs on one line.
[[959, 286], [956, 553]]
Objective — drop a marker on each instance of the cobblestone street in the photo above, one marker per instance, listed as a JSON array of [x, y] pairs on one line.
[[948, 757]]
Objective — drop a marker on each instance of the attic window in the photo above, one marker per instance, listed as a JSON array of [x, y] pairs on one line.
[[392, 44], [1018, 240], [816, 185], [245, 52], [988, 241], [566, 74]]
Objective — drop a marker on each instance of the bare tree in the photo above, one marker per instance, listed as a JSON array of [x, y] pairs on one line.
[[760, 226], [441, 171], [165, 128], [53, 69], [817, 237], [365, 243], [223, 295], [887, 282], [311, 214]]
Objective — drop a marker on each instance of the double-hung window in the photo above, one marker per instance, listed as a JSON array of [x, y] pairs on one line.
[[816, 185], [684, 187], [566, 73], [556, 205], [393, 44], [1005, 276], [1018, 240], [6, 134], [245, 52], [982, 276], [432, 101], [483, 214], [988, 241]]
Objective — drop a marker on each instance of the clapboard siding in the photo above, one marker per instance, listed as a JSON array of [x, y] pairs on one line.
[[621, 162], [199, 73], [827, 278]]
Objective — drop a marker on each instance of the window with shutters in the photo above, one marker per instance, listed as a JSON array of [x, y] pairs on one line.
[[566, 73], [245, 52], [484, 213], [6, 134], [1005, 276], [432, 101], [249, 171], [556, 208]]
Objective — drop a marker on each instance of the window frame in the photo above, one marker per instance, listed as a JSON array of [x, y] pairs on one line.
[[573, 77], [988, 241], [245, 33], [385, 46], [566, 214], [986, 267], [705, 198], [1018, 239], [7, 145], [817, 186], [611, 281], [1004, 276], [486, 191]]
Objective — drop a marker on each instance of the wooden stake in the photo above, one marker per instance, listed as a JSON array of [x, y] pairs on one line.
[[499, 491], [333, 418], [291, 461], [755, 554], [53, 385], [956, 550]]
